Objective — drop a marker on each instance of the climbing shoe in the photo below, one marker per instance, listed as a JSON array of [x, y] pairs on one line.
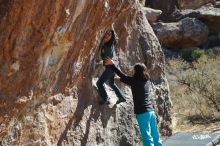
[[120, 100]]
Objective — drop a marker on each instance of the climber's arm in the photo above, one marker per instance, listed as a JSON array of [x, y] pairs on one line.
[[123, 77]]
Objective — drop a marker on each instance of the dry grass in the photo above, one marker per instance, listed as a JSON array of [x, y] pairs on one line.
[[195, 92]]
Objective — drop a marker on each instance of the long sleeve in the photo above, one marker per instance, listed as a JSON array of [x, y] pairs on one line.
[[107, 51], [124, 78]]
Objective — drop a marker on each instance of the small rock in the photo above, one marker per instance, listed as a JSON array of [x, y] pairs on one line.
[[152, 14], [56, 99], [22, 101]]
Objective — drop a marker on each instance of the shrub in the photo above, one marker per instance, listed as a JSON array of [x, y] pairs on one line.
[[211, 54], [195, 91], [198, 53], [195, 55]]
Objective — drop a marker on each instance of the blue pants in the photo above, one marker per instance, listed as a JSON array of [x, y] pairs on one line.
[[148, 127], [108, 75]]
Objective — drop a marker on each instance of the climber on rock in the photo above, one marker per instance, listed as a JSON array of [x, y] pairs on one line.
[[107, 49], [143, 105]]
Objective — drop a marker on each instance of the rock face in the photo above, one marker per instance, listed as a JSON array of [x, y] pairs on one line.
[[48, 65], [188, 32], [193, 4]]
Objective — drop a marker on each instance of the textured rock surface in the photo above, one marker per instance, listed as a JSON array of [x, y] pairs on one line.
[[152, 14], [188, 32], [207, 14], [169, 7], [47, 66], [193, 4], [166, 6], [217, 4]]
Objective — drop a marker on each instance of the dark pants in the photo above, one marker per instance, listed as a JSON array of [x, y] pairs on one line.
[[108, 75]]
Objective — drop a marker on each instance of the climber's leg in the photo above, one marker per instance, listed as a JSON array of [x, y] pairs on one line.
[[116, 89], [100, 84]]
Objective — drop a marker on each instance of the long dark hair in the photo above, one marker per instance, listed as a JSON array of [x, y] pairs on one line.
[[112, 41], [141, 72]]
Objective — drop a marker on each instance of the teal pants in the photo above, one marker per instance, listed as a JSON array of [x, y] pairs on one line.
[[148, 126]]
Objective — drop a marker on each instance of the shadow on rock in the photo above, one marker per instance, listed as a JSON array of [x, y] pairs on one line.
[[102, 112]]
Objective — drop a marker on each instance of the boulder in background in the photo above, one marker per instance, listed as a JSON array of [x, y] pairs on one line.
[[166, 6], [207, 14], [188, 32], [193, 4]]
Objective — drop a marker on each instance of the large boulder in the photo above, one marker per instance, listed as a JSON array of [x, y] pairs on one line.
[[48, 70], [217, 4], [166, 6], [207, 14], [188, 32], [193, 4], [213, 41]]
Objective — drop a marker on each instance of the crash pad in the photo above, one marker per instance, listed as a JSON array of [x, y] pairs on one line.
[[192, 139]]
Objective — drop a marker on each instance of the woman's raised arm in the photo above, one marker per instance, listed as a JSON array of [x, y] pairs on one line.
[[123, 77]]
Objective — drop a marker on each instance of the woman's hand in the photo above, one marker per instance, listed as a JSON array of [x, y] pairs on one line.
[[108, 61], [117, 78]]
